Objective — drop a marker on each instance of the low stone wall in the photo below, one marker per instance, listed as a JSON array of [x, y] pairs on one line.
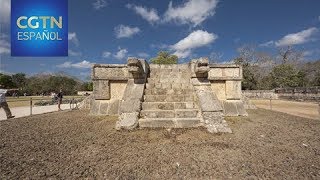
[[260, 94], [297, 94]]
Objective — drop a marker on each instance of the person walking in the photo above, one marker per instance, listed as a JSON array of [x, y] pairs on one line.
[[60, 96], [3, 102]]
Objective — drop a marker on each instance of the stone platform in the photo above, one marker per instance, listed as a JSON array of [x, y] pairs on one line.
[[170, 96]]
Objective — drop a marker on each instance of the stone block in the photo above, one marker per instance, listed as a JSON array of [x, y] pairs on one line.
[[113, 108], [131, 105], [133, 90], [101, 89], [157, 114], [111, 73], [128, 121], [186, 113], [187, 122], [180, 105], [230, 109], [207, 100], [117, 89], [157, 122], [103, 110], [219, 88], [233, 90], [95, 107], [157, 105]]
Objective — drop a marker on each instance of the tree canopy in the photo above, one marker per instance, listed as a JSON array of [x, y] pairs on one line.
[[164, 57]]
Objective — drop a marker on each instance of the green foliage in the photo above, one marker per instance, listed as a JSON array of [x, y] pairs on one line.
[[165, 58], [19, 80], [6, 81], [285, 75]]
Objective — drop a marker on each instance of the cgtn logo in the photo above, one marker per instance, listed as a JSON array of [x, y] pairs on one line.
[[39, 27]]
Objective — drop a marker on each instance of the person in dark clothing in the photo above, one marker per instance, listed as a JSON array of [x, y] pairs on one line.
[[60, 96]]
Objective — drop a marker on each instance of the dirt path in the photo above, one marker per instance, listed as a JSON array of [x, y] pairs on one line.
[[73, 145], [302, 109]]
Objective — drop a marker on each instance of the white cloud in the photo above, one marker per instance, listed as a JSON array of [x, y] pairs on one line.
[[151, 15], [80, 65], [4, 44], [297, 38], [121, 54], [194, 40], [5, 8], [143, 55], [123, 31], [74, 53], [191, 12], [106, 54], [267, 44], [72, 36], [98, 4]]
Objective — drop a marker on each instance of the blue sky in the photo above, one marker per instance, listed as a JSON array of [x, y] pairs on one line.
[[108, 31]]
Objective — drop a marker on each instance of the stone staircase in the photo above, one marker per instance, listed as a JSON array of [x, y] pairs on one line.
[[169, 98]]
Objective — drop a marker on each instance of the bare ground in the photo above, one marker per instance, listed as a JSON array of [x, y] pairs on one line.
[[303, 109], [73, 145]]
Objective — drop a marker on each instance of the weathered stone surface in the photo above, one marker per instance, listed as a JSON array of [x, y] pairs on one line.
[[233, 90], [117, 89], [207, 100], [128, 121], [215, 122], [186, 113], [103, 110], [101, 89], [157, 114], [119, 72], [113, 108], [157, 105], [133, 90], [225, 72], [234, 108], [219, 88], [200, 82], [187, 122], [157, 122], [131, 105], [95, 107]]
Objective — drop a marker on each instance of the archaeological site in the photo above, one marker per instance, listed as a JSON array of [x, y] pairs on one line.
[[171, 96]]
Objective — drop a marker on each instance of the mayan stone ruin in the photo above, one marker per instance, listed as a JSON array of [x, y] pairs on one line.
[[171, 96]]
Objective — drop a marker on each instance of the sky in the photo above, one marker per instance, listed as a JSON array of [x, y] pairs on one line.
[[110, 31]]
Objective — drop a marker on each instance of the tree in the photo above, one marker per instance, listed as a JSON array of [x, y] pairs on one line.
[[285, 75], [6, 81], [165, 58], [19, 80]]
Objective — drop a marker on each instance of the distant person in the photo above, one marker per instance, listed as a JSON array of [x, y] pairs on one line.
[[60, 96], [3, 102]]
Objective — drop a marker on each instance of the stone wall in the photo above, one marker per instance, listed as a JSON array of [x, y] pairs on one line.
[[300, 94]]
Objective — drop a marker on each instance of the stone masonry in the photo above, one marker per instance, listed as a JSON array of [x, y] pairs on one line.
[[171, 96]]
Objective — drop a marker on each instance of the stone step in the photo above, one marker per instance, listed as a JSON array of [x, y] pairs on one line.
[[178, 113], [168, 98], [157, 114], [160, 91], [170, 122], [170, 79], [168, 105], [186, 113], [169, 85]]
